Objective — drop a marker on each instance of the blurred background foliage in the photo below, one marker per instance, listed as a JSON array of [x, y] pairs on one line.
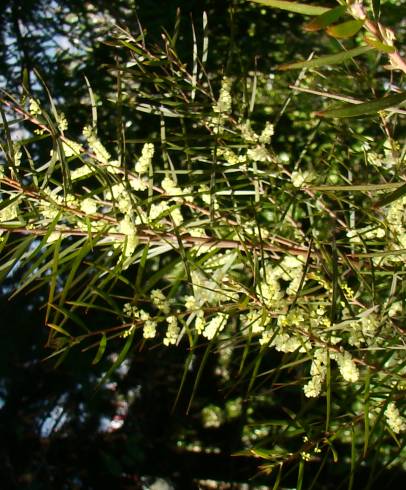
[[56, 429]]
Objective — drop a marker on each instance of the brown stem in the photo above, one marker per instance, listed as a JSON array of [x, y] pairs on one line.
[[150, 236]]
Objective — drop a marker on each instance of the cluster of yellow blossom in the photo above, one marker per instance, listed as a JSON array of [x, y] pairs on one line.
[[71, 148], [301, 177], [366, 233], [396, 222], [386, 160], [269, 288], [215, 325], [222, 107], [51, 203], [62, 122], [172, 332], [150, 324], [176, 193], [95, 145], [393, 418], [34, 108], [149, 328], [143, 164], [364, 330], [346, 365], [318, 372], [129, 230], [160, 301], [256, 321], [89, 205], [224, 102]]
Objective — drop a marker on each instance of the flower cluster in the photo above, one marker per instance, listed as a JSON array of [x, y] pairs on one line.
[[34, 107], [346, 365], [269, 289], [224, 103], [149, 324], [143, 164], [396, 422], [318, 372], [89, 205], [71, 148], [95, 145], [176, 193], [364, 331], [396, 222], [51, 204], [129, 230], [301, 177], [256, 321], [160, 301], [215, 325], [172, 333]]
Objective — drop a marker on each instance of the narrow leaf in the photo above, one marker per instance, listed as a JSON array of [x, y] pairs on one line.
[[300, 475], [70, 315], [346, 29], [58, 329], [141, 268], [328, 393], [366, 413], [298, 8], [101, 349], [93, 102], [393, 196], [353, 459], [325, 19], [333, 450], [372, 107], [278, 478], [187, 366], [376, 8], [355, 188], [327, 60], [54, 278], [199, 375], [121, 357]]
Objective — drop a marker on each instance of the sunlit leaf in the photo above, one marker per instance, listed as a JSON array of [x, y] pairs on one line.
[[327, 60], [58, 329], [298, 8], [325, 19], [300, 475], [355, 188], [372, 107], [101, 349], [346, 29]]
